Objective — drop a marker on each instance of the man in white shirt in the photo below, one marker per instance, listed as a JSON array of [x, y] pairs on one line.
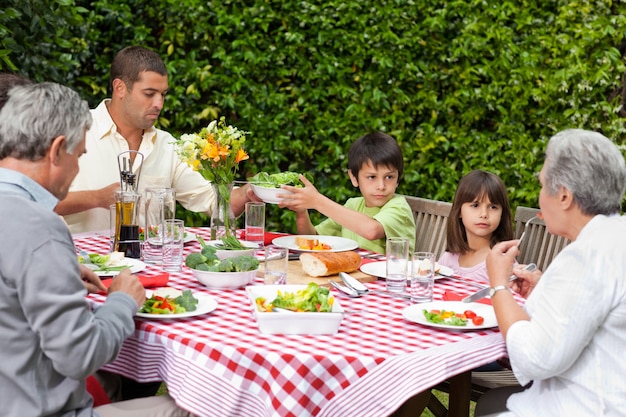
[[139, 83], [569, 337]]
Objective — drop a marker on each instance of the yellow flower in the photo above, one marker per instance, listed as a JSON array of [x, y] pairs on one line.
[[215, 151]]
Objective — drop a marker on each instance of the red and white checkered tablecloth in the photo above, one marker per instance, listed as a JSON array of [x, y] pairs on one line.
[[219, 364]]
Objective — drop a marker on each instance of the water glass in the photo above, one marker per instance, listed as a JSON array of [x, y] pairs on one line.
[[422, 277], [276, 264], [173, 242], [255, 223], [160, 206], [397, 252]]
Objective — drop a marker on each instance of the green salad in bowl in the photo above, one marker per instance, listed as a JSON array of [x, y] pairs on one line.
[[267, 186]]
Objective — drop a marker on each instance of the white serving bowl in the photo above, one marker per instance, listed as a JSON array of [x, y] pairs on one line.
[[223, 253], [224, 280], [292, 322], [268, 194]]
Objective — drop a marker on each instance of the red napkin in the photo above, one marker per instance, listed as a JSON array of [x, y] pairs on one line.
[[269, 236], [148, 281], [452, 296]]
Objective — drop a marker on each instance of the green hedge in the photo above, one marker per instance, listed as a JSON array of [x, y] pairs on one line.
[[462, 85]]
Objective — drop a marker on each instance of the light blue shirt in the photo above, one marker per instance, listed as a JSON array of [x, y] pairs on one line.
[[13, 181]]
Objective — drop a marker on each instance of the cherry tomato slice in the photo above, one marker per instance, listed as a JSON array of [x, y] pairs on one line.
[[469, 314], [478, 320]]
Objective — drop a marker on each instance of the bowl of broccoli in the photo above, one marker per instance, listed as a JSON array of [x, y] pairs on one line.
[[221, 274], [267, 186]]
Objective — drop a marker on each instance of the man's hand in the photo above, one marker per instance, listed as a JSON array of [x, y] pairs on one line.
[[91, 280], [240, 197], [129, 283]]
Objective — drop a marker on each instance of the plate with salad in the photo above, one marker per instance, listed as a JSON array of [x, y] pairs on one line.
[[171, 303], [452, 315], [111, 264]]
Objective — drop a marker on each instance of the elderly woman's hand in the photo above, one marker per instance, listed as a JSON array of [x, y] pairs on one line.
[[500, 261], [526, 280]]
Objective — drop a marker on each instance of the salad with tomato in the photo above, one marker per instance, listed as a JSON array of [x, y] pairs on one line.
[[452, 318], [313, 298], [167, 304]]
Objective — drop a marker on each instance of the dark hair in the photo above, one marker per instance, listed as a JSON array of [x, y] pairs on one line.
[[132, 61], [378, 148], [9, 80], [478, 184]]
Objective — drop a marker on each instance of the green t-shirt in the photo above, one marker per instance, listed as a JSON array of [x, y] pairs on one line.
[[396, 218]]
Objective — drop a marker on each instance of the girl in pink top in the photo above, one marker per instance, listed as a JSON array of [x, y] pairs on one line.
[[480, 217]]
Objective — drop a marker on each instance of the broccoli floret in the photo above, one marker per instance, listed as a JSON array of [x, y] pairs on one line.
[[226, 265], [194, 259], [245, 263], [202, 267], [209, 251]]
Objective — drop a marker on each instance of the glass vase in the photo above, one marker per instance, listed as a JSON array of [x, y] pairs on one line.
[[223, 222]]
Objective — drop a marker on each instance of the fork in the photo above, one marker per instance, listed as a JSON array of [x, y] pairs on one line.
[[526, 227]]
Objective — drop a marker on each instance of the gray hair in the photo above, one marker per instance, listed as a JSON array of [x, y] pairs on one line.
[[36, 114], [590, 166]]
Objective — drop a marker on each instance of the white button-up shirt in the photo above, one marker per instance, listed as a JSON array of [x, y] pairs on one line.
[[161, 168], [573, 346]]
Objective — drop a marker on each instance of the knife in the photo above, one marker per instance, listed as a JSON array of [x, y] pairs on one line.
[[483, 293]]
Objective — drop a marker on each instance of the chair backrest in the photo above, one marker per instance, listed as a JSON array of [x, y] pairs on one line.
[[538, 246], [431, 217]]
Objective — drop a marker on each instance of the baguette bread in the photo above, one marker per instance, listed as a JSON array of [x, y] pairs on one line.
[[322, 264]]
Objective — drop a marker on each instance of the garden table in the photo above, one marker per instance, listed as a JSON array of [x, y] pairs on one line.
[[219, 364]]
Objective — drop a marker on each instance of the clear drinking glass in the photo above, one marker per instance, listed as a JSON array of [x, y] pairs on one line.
[[422, 277], [276, 264], [255, 223], [173, 242], [160, 206], [397, 252]]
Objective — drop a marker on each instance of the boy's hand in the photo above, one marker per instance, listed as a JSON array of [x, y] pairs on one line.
[[300, 198]]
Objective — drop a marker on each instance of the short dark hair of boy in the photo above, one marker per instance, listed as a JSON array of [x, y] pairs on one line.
[[478, 184], [378, 148], [131, 61]]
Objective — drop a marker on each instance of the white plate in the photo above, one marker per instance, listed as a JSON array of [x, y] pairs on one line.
[[415, 314], [338, 244], [379, 269], [135, 266], [189, 237], [205, 305]]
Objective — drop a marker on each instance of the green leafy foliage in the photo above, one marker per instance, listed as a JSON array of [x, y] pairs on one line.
[[461, 85]]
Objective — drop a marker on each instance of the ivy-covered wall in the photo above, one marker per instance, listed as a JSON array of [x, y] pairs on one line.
[[462, 85]]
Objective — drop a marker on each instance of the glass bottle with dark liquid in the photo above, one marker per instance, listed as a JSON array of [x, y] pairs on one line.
[[127, 237]]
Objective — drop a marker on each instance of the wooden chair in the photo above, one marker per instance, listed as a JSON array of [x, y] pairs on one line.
[[538, 246], [430, 217]]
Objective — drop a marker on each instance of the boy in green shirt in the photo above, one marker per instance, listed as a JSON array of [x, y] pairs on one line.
[[375, 166]]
